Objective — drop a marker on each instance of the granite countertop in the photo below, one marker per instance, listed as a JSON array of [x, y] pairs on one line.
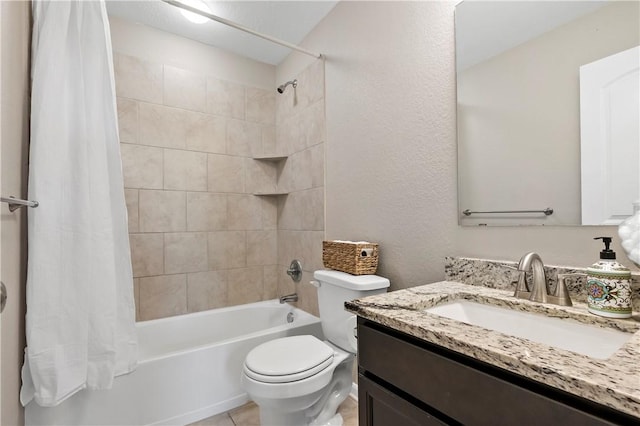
[[614, 382]]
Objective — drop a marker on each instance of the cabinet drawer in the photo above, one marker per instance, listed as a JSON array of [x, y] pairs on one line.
[[378, 406], [459, 391]]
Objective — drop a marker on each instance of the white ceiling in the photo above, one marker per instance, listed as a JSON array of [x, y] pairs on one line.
[[287, 20], [487, 28]]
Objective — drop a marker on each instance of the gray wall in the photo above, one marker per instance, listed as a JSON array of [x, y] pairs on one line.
[[391, 145]]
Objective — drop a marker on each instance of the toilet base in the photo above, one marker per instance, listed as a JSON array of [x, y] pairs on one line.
[[317, 409]]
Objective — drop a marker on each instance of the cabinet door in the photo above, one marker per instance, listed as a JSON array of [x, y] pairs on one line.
[[378, 406], [460, 391]]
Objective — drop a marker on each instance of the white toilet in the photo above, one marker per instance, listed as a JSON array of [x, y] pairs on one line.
[[301, 380]]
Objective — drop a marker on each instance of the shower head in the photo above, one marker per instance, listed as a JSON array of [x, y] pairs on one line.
[[281, 88]]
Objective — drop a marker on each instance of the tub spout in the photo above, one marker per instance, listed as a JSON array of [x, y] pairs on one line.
[[293, 297]]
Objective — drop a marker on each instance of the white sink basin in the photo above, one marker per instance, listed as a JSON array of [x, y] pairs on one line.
[[570, 335]]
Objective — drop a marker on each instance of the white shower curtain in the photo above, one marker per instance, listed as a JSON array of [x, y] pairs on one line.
[[80, 323]]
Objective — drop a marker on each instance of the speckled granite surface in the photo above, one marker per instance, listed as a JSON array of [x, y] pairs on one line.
[[614, 382], [500, 274]]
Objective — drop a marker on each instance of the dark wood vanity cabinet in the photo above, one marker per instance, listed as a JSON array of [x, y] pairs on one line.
[[407, 381]]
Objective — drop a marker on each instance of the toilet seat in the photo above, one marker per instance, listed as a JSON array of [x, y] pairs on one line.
[[288, 359]]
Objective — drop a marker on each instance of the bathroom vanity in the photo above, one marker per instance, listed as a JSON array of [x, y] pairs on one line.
[[417, 367]]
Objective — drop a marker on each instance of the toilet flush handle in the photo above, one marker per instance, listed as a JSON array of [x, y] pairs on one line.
[[315, 283]]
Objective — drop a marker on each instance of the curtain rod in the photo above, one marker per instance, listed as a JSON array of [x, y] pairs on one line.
[[241, 28]]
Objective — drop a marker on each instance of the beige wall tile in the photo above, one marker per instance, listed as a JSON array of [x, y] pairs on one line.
[[269, 145], [289, 247], [303, 178], [296, 172], [312, 250], [128, 120], [184, 89], [261, 176], [244, 138], [227, 249], [302, 210], [244, 212], [307, 295], [262, 248], [310, 90], [141, 166], [137, 79], [303, 130], [313, 125], [163, 126], [312, 209], [206, 290], [217, 250], [185, 170], [131, 198], [311, 85], [163, 296], [289, 138], [261, 105], [136, 296], [245, 285], [285, 178], [239, 245], [270, 277], [225, 98], [226, 173], [206, 211], [185, 252], [162, 211], [147, 254], [236, 249], [270, 212], [285, 104], [207, 133], [289, 211], [179, 128], [317, 165], [285, 283], [305, 246]]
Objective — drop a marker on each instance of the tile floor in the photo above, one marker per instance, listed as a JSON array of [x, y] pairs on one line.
[[248, 415]]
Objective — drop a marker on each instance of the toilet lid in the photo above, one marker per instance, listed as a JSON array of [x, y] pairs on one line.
[[288, 359]]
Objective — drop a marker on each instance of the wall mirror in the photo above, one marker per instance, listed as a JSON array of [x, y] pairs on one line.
[[538, 126]]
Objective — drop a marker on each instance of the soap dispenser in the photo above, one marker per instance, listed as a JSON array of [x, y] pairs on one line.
[[609, 285]]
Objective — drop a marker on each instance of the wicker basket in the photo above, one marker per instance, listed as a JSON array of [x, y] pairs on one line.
[[354, 258]]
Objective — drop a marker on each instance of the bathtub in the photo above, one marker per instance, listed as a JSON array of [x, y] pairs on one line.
[[189, 368]]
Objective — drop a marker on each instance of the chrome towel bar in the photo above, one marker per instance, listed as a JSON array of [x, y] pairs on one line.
[[16, 203], [548, 211]]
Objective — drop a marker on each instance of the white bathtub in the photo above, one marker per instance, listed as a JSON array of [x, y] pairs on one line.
[[189, 368]]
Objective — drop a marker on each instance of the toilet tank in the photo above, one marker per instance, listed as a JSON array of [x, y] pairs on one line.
[[335, 288]]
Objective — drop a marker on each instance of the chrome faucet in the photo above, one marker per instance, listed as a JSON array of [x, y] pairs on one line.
[[539, 291], [293, 297]]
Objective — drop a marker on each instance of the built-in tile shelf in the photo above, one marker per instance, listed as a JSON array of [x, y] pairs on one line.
[[271, 158], [270, 194], [275, 159]]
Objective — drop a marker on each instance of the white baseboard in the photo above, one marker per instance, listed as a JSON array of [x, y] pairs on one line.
[[354, 391]]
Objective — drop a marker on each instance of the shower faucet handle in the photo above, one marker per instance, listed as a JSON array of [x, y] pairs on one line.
[[295, 270]]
